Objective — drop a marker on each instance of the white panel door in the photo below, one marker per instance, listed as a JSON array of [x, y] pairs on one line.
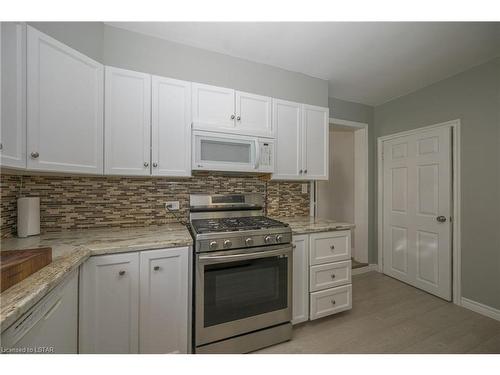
[[287, 118], [127, 122], [213, 108], [13, 95], [109, 304], [300, 307], [164, 317], [171, 127], [65, 107], [253, 114], [417, 210], [315, 143]]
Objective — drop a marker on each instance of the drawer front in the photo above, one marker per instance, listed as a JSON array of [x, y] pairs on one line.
[[330, 247], [330, 275], [331, 301]]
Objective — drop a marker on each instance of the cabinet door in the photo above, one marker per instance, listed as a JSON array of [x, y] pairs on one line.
[[171, 127], [287, 117], [127, 122], [253, 115], [109, 304], [315, 160], [329, 247], [13, 95], [331, 301], [213, 108], [300, 309], [65, 119], [164, 301]]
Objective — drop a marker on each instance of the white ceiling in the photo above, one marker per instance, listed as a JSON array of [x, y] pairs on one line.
[[368, 62]]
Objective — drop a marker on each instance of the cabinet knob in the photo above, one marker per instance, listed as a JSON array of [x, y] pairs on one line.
[[300, 172], [238, 118], [146, 164], [1, 146], [333, 302], [294, 246], [155, 164], [156, 268], [232, 117], [333, 276], [121, 273], [35, 154], [305, 170], [332, 247]]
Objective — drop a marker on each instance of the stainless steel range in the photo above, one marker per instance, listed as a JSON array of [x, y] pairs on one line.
[[243, 274]]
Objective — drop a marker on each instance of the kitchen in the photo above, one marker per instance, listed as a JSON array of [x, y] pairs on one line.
[[162, 209]]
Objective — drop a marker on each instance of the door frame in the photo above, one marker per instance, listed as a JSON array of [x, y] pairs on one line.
[[456, 258], [360, 195]]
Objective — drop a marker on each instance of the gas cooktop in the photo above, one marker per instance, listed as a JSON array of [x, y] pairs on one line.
[[232, 224]]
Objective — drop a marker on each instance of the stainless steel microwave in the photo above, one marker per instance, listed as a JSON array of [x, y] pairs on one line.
[[214, 151]]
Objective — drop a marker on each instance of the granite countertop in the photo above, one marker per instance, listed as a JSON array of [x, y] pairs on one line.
[[72, 248], [308, 224]]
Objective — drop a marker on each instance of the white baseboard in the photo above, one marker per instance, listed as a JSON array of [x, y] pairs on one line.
[[485, 310], [368, 268]]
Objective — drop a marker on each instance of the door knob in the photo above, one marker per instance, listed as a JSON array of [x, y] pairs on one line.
[[441, 219], [35, 154]]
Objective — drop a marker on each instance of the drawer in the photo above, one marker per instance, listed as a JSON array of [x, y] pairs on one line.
[[330, 247], [330, 301], [330, 275]]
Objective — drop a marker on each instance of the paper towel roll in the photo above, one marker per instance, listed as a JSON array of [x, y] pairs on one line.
[[28, 216]]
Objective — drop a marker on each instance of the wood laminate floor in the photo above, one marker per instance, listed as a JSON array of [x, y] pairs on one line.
[[389, 316]]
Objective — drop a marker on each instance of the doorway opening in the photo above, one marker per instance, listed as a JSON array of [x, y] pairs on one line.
[[344, 196]]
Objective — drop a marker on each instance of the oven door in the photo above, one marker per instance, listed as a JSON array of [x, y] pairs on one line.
[[239, 292]]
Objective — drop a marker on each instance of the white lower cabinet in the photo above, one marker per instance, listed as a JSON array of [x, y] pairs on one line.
[[300, 304], [321, 275], [109, 304], [164, 282], [135, 302]]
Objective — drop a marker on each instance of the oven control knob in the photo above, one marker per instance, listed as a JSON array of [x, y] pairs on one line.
[[267, 239], [279, 237], [213, 245], [249, 241], [227, 244]]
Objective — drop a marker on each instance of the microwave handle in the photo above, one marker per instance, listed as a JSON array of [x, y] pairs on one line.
[[257, 154]]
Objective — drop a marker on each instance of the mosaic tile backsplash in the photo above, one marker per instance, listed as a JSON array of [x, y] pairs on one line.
[[81, 202]]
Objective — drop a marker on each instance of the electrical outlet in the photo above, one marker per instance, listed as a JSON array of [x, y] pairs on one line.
[[172, 205], [304, 188]]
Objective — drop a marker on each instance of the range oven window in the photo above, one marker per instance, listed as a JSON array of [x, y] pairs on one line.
[[238, 290]]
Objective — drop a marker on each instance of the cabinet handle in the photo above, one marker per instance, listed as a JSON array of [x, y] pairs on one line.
[[332, 247], [146, 164], [156, 268], [333, 276], [155, 164], [121, 273], [1, 146], [232, 117], [238, 118], [333, 302], [35, 154]]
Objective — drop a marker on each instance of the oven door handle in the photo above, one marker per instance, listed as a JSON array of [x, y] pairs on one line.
[[235, 257]]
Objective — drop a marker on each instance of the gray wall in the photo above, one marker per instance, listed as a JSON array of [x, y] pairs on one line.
[[352, 111], [473, 97], [85, 37], [130, 50]]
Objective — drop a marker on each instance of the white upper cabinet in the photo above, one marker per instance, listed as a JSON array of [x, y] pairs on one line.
[[301, 141], [13, 98], [164, 296], [315, 150], [65, 107], [213, 108], [127, 122], [253, 114], [287, 118], [171, 127], [226, 110]]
